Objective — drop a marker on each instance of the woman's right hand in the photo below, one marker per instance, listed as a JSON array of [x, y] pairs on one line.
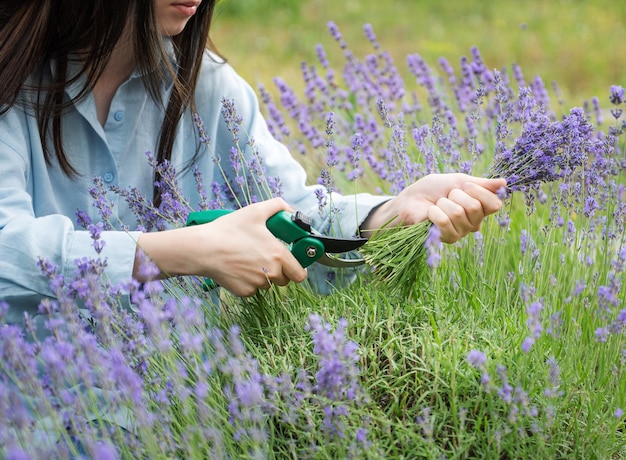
[[237, 251]]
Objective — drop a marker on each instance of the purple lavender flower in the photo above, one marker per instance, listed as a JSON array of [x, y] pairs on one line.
[[602, 334], [477, 359], [534, 324], [505, 391], [525, 241], [232, 118], [202, 134], [597, 110], [433, 246], [617, 95], [540, 92], [337, 374], [479, 69], [95, 230], [218, 200], [546, 151], [448, 70], [424, 76], [370, 35], [82, 218], [16, 453], [321, 56], [518, 75], [200, 187], [527, 343], [554, 379], [336, 34], [101, 203], [425, 420]]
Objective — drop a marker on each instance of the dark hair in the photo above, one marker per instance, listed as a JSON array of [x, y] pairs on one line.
[[36, 32]]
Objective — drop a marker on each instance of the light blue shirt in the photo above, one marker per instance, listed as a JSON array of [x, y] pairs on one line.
[[38, 202]]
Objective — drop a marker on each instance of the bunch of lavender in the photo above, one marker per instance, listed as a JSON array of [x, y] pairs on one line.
[[546, 151]]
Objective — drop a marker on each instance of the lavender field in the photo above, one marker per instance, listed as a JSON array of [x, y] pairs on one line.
[[508, 344]]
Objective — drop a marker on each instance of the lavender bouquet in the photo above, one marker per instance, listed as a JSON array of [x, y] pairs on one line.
[[546, 151]]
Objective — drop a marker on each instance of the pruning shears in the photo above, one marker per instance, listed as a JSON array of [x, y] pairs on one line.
[[294, 229]]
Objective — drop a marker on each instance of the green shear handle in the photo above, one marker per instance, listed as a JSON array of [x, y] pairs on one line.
[[293, 229], [306, 244]]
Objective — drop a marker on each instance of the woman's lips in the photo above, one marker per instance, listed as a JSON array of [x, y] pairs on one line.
[[186, 8]]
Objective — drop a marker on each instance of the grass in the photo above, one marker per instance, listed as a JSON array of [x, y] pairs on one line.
[[413, 357]]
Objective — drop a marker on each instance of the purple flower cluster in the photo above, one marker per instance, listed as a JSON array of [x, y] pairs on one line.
[[617, 99], [60, 374], [534, 324], [546, 151], [244, 175], [433, 246], [611, 310], [402, 138]]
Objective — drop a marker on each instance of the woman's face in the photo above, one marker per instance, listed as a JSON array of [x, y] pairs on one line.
[[172, 15]]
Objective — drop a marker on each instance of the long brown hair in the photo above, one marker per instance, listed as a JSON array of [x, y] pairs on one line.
[[34, 33]]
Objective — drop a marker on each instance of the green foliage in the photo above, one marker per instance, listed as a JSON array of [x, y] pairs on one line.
[[246, 9]]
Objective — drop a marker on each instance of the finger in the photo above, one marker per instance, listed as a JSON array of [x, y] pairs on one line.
[[241, 289], [493, 185], [473, 208], [272, 206], [287, 267], [457, 215], [489, 200], [437, 216], [277, 277], [281, 266], [293, 271]]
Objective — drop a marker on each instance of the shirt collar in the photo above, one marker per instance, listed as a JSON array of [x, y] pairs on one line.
[[75, 67]]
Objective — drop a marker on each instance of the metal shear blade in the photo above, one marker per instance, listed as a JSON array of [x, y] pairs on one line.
[[333, 261]]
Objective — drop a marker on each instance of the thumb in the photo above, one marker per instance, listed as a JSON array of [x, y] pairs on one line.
[[272, 206]]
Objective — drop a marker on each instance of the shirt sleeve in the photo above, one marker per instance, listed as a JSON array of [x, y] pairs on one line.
[[26, 238]]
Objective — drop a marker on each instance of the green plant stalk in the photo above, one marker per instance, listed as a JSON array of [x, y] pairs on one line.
[[398, 256]]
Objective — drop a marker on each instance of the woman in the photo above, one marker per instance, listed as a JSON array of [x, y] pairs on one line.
[[88, 87]]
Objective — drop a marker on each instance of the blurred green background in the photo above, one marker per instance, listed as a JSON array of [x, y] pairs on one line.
[[581, 45]]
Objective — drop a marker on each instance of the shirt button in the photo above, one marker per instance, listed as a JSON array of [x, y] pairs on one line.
[[119, 115], [108, 177]]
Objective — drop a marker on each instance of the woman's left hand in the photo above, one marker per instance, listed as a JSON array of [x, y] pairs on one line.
[[456, 203]]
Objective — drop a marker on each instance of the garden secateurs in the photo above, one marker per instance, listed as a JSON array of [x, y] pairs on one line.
[[305, 243]]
